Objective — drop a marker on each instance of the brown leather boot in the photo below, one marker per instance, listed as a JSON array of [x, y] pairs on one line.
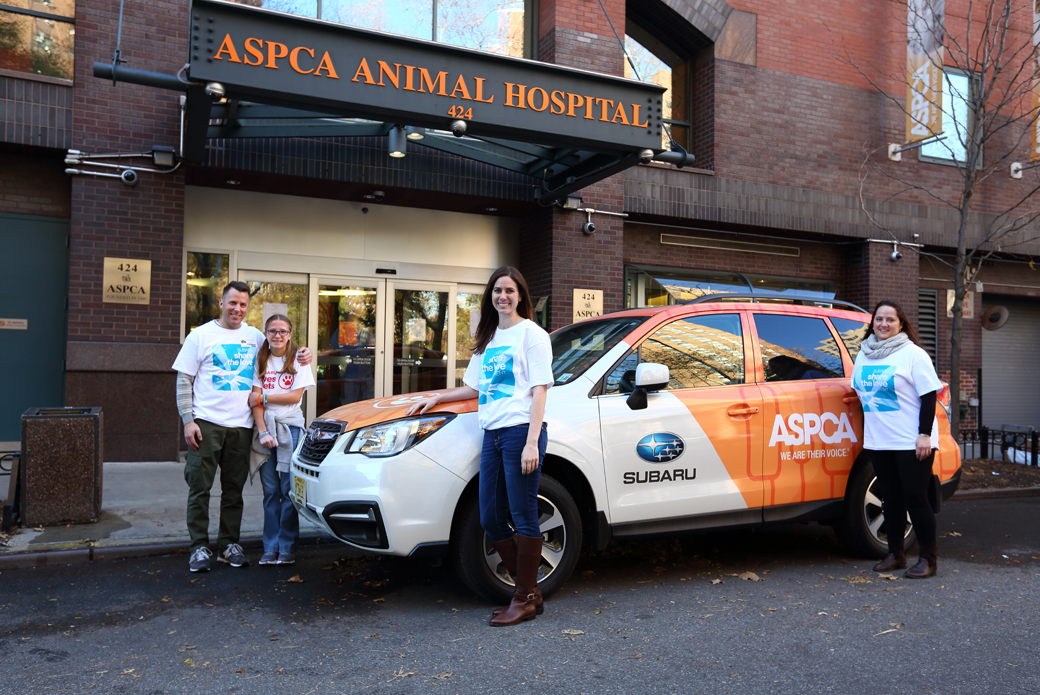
[[507, 551], [524, 604], [896, 558], [927, 565]]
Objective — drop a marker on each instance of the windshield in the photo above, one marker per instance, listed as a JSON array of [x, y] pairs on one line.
[[578, 347]]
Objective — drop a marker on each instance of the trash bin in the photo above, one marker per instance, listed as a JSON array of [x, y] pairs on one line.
[[60, 471]]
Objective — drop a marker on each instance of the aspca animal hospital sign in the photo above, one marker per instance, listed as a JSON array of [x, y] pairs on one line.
[[281, 59]]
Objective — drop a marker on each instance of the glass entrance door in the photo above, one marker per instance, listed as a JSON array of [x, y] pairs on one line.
[[419, 324]]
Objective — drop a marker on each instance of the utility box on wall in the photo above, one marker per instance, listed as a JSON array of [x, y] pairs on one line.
[[61, 465]]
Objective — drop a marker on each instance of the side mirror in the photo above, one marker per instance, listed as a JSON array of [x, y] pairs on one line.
[[649, 377]]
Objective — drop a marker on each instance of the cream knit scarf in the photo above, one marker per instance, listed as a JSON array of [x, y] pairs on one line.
[[879, 349]]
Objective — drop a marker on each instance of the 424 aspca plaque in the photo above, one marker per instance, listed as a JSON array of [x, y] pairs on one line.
[[127, 281]]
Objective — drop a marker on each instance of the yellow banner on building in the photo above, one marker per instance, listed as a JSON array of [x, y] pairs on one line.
[[1034, 145], [924, 60]]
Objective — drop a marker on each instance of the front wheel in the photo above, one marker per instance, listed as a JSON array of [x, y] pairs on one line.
[[861, 528], [479, 566]]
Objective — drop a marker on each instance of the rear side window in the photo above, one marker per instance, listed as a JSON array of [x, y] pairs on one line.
[[797, 347], [698, 351], [852, 334]]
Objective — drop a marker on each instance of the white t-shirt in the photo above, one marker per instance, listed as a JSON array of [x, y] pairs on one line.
[[222, 362], [275, 383], [516, 360], [890, 390]]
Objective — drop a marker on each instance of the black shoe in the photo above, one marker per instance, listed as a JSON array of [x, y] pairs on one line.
[[234, 556], [199, 561]]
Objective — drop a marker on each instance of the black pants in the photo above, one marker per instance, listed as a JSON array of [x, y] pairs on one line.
[[903, 482]]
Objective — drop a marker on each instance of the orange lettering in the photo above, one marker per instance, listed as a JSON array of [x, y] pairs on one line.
[[326, 65], [635, 117], [620, 111], [519, 94], [254, 51], [588, 108], [460, 86], [424, 79], [545, 99], [410, 72], [384, 69], [274, 52], [480, 91], [573, 101], [557, 100], [603, 108], [294, 60], [228, 47], [362, 70]]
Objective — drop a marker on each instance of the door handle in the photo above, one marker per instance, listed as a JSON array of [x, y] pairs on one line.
[[850, 399], [734, 412]]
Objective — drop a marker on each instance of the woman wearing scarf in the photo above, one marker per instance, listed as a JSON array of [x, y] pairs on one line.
[[897, 385]]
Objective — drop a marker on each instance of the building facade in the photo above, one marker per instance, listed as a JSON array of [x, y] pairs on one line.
[[379, 260]]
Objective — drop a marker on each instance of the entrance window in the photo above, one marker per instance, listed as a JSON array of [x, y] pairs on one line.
[[467, 316], [346, 349], [40, 43], [649, 60], [797, 347], [207, 275], [420, 340], [494, 26]]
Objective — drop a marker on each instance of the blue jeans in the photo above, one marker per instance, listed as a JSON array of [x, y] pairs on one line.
[[504, 490], [281, 521]]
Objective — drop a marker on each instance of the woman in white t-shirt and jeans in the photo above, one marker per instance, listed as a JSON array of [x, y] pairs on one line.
[[510, 374], [278, 387], [897, 385]]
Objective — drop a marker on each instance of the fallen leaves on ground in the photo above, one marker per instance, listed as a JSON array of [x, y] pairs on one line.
[[402, 674], [749, 576], [573, 632], [295, 579], [891, 577], [442, 676], [716, 581]]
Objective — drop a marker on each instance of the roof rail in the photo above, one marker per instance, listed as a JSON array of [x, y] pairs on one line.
[[792, 298]]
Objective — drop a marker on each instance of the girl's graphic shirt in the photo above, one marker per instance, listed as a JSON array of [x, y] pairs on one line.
[[890, 390], [516, 360], [276, 382]]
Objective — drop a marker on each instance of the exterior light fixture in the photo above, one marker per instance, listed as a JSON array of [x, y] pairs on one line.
[[572, 202], [415, 132], [398, 141]]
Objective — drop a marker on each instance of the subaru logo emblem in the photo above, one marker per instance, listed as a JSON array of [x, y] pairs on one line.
[[660, 447]]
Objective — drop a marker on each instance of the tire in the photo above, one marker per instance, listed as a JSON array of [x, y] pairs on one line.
[[861, 528], [477, 564]]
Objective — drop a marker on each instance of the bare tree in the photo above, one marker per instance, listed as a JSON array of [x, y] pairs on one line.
[[987, 126]]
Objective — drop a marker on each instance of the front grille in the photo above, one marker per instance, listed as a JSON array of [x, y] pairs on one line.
[[321, 437], [306, 472]]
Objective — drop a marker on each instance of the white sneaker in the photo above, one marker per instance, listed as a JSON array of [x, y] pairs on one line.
[[199, 561]]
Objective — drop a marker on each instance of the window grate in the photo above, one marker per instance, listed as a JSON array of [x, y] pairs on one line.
[[928, 322]]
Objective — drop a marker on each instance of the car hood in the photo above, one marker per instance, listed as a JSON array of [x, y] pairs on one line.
[[372, 412]]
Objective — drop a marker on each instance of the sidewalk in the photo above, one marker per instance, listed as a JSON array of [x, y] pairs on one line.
[[143, 513]]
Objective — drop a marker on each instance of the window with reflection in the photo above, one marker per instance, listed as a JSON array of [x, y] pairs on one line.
[[467, 316], [495, 26], [38, 37], [797, 347], [852, 334], [664, 286], [650, 60], [699, 351], [207, 275]]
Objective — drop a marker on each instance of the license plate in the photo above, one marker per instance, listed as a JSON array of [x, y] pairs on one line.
[[300, 490]]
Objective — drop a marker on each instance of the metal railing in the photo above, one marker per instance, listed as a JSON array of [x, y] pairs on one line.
[[1011, 442]]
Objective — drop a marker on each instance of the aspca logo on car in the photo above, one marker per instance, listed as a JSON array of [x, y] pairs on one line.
[[660, 447], [800, 427]]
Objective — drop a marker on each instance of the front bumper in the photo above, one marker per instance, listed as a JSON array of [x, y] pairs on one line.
[[389, 505]]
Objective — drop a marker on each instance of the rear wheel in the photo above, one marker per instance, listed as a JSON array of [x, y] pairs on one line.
[[861, 527], [479, 566]]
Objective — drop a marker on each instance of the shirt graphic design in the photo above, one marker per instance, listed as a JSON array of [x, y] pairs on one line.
[[876, 386], [235, 365], [496, 375]]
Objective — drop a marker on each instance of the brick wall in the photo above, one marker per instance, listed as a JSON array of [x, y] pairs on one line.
[[34, 185]]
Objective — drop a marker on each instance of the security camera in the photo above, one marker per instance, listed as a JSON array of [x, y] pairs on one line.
[[215, 90], [646, 156], [588, 227], [458, 128], [896, 255], [129, 177]]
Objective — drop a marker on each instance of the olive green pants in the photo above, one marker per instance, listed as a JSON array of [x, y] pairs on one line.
[[228, 449]]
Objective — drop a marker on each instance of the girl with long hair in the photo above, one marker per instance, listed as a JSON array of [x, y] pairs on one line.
[[510, 375], [278, 387], [897, 385]]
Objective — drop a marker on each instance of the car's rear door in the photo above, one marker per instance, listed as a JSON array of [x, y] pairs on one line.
[[693, 457]]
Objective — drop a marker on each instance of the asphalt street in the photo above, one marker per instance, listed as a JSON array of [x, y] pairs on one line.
[[782, 610]]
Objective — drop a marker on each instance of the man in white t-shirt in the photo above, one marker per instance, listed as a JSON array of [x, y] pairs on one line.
[[216, 366]]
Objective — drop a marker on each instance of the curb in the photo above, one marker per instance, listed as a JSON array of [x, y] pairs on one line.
[[50, 558], [996, 493]]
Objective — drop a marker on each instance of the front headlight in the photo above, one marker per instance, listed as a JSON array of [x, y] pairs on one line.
[[391, 438]]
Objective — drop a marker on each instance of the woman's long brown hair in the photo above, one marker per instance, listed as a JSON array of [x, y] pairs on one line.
[[489, 315], [265, 350], [904, 323]]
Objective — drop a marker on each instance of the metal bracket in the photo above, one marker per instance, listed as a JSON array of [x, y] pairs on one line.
[[895, 150]]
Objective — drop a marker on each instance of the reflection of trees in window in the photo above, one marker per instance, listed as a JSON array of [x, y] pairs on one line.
[[420, 314], [487, 25], [207, 275], [697, 355], [852, 334], [36, 45], [650, 60], [797, 347]]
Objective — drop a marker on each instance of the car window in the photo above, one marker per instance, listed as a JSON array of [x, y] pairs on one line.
[[698, 351], [852, 334], [578, 347], [797, 347]]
